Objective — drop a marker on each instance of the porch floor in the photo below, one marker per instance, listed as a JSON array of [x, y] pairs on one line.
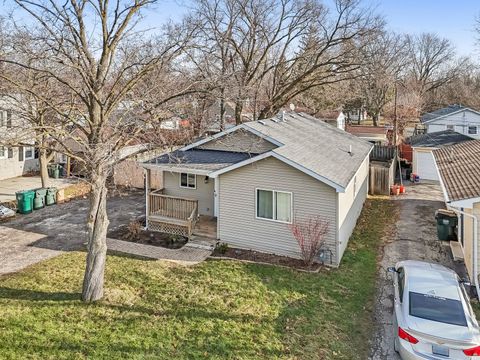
[[206, 226]]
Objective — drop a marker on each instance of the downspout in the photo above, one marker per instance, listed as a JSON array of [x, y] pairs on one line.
[[475, 244]]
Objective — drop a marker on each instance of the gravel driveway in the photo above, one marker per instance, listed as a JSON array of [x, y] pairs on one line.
[[48, 232], [415, 238]]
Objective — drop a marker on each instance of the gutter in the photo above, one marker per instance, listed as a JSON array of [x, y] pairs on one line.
[[475, 246]]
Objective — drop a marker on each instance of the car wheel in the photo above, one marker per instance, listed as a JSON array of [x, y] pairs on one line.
[[395, 346]]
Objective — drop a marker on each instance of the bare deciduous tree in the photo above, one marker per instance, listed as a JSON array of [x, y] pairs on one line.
[[91, 49]]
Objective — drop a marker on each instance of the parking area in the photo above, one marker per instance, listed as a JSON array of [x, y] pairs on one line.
[[9, 187], [48, 232], [414, 237]]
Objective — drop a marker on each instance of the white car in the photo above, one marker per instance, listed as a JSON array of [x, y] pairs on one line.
[[432, 316]]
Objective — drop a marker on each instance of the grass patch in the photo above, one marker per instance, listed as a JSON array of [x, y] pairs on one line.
[[216, 310]]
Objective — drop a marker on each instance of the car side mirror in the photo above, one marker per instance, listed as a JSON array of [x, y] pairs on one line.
[[391, 269]]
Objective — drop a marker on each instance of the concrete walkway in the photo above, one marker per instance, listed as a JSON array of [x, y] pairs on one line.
[[194, 252], [9, 187]]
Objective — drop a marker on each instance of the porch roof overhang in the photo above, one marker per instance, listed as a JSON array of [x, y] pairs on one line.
[[196, 161]]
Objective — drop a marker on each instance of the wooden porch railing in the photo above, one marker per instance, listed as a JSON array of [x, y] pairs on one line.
[[172, 214]]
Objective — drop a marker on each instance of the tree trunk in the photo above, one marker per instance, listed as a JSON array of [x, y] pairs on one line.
[[375, 119], [97, 226], [43, 167], [238, 112]]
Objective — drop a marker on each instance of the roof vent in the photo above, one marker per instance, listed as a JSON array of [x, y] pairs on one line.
[[350, 150], [262, 122], [276, 120]]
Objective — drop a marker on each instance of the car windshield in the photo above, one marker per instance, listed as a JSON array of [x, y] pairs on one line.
[[437, 308]]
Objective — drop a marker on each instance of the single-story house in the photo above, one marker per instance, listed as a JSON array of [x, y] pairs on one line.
[[373, 134], [458, 118], [15, 160], [459, 169], [423, 145], [253, 180]]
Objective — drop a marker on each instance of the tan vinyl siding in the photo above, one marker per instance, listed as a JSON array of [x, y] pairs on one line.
[[239, 141], [238, 226], [203, 193], [347, 227]]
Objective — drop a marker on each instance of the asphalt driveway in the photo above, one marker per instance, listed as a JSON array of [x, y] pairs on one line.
[[414, 238], [48, 232]]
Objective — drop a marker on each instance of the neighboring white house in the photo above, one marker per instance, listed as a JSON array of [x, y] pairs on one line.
[[454, 117], [459, 170], [14, 161], [423, 145], [254, 179]]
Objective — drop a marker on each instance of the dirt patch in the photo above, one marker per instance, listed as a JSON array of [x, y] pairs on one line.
[[141, 236], [255, 256]]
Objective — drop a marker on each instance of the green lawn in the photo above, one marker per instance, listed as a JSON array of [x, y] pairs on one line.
[[216, 310]]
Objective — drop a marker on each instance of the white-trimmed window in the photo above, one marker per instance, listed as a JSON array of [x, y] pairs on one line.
[[188, 181], [472, 130], [3, 117], [29, 152], [3, 152], [274, 205]]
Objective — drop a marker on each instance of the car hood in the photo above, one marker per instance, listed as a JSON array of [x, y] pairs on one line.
[[437, 330]]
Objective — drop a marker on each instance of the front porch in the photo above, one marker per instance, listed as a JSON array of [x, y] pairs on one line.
[[178, 216]]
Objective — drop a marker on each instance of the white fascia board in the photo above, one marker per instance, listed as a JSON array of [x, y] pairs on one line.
[[465, 203], [293, 164], [444, 189], [175, 169], [309, 172], [228, 131], [210, 138], [215, 174]]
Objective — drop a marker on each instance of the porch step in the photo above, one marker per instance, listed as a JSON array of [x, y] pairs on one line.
[[456, 250], [200, 242]]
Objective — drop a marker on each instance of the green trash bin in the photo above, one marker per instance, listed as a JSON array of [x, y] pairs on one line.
[[50, 170], [55, 171], [447, 221], [25, 201], [51, 196], [40, 198]]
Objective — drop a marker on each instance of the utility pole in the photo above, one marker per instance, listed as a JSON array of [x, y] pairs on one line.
[[395, 116]]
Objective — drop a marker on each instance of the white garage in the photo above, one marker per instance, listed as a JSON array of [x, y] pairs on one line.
[[423, 163]]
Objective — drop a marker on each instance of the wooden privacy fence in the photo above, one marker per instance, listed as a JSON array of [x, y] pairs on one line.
[[171, 214], [383, 153], [381, 177], [383, 165]]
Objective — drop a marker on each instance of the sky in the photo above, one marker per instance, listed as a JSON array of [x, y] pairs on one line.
[[452, 19]]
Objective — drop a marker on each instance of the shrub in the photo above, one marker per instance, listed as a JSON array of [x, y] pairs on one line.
[[310, 234], [221, 248], [134, 229]]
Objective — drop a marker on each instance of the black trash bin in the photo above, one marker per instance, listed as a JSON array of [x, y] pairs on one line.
[[447, 221]]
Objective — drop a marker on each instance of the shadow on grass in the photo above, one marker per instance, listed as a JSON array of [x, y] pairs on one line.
[[32, 295]]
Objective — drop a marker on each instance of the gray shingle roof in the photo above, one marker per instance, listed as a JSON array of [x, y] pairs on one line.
[[196, 159], [459, 168], [441, 112], [438, 139], [315, 145]]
